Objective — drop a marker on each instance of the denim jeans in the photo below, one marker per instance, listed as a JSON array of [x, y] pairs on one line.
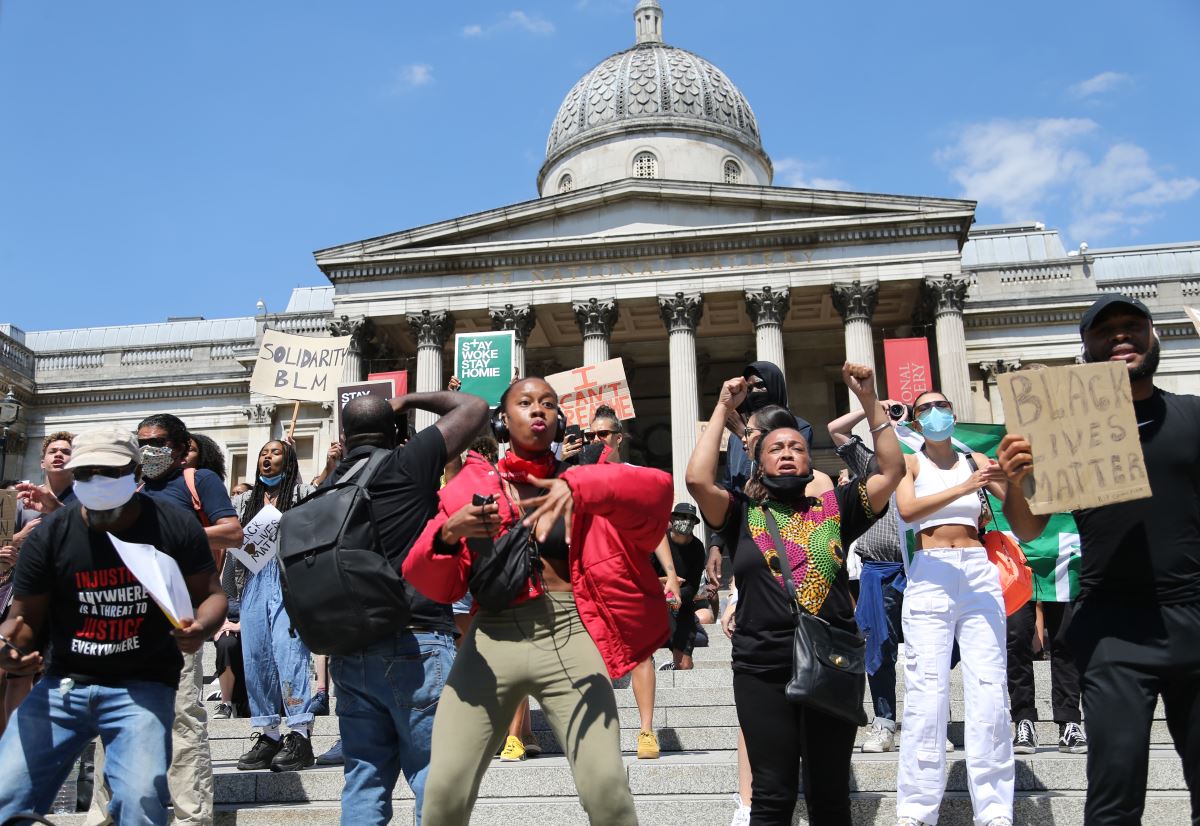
[[275, 662], [387, 696], [51, 727], [883, 681]]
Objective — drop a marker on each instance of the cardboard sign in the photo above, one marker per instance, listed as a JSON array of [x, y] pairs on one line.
[[1079, 420], [347, 393], [159, 574], [725, 434], [261, 540], [1194, 315], [301, 368], [582, 390], [483, 363], [907, 363], [8, 516], [398, 378]]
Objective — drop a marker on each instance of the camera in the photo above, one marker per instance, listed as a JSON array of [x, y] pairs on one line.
[[896, 411]]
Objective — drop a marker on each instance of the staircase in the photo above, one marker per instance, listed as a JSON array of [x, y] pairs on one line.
[[696, 777]]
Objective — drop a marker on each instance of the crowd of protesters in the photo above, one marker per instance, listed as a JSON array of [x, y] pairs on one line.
[[609, 570]]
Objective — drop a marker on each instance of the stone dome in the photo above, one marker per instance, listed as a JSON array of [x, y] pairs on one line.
[[653, 88]]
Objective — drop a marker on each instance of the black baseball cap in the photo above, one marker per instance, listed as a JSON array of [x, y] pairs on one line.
[[1108, 300]]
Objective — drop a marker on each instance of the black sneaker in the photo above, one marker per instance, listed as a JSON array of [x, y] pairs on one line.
[[1072, 740], [1026, 741], [318, 706], [261, 753], [224, 711], [295, 755]]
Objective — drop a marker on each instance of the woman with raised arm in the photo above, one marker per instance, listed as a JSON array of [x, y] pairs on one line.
[[591, 611], [953, 593], [816, 522]]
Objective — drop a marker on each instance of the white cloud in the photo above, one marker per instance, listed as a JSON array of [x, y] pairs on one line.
[[1022, 167], [796, 173], [413, 76], [513, 21], [1098, 84]]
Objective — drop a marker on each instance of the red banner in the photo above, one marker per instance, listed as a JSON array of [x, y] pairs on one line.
[[908, 372], [398, 378]]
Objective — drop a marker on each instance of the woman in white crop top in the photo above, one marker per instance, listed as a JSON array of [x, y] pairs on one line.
[[953, 593]]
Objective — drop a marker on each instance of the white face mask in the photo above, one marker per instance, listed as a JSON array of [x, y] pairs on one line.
[[103, 494]]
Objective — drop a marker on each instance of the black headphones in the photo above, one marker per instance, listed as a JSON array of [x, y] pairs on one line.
[[500, 427]]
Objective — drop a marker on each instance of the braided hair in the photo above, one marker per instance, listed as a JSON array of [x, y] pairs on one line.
[[286, 487]]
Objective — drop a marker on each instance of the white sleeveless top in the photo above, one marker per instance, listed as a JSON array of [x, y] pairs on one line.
[[965, 510]]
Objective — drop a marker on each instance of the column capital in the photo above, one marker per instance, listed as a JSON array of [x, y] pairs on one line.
[[991, 369], [681, 311], [259, 412], [596, 316], [768, 305], [517, 317], [946, 293], [431, 328], [855, 300], [358, 328]]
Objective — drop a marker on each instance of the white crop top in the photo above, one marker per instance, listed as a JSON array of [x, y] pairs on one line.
[[965, 510]]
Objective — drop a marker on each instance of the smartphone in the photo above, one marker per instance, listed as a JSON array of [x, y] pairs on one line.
[[574, 433], [5, 642], [479, 500]]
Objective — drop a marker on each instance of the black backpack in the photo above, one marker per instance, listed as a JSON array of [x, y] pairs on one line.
[[341, 590]]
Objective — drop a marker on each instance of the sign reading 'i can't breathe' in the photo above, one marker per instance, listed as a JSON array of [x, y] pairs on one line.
[[483, 363]]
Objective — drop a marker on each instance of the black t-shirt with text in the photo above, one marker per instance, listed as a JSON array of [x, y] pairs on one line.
[[102, 624], [404, 497], [1148, 550], [764, 623]]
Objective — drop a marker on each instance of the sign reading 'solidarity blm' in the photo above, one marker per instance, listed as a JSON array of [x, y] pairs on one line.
[[301, 368], [582, 390], [483, 363], [8, 516], [1080, 423]]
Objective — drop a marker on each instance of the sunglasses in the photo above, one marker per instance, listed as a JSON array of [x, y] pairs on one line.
[[747, 431], [940, 404], [156, 442], [85, 474], [590, 436]]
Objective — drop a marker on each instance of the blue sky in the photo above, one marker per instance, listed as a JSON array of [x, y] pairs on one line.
[[209, 148]]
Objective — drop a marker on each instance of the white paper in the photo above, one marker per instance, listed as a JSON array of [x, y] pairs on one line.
[[159, 574], [261, 539]]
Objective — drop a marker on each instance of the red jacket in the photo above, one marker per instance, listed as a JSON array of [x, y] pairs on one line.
[[620, 515]]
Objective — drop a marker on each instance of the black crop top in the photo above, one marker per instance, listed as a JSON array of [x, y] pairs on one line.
[[555, 545]]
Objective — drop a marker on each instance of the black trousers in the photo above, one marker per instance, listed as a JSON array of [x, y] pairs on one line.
[[783, 739], [1128, 659], [1064, 675]]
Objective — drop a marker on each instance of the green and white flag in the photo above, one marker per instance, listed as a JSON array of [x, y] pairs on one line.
[[1053, 557]]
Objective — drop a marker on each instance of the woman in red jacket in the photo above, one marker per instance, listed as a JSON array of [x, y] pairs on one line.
[[593, 611]]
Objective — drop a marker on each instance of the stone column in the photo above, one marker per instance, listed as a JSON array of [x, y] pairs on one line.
[[855, 302], [358, 329], [595, 318], [990, 370], [947, 295], [519, 319], [681, 313], [431, 329], [768, 307], [260, 417]]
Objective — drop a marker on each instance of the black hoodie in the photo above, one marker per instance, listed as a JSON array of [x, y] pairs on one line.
[[737, 470]]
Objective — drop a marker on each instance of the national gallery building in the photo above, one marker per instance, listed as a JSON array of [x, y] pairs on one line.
[[658, 237]]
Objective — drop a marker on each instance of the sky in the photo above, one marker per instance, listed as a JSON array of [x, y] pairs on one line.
[[171, 159]]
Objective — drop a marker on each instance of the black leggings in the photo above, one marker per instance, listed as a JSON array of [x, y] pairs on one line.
[[783, 738]]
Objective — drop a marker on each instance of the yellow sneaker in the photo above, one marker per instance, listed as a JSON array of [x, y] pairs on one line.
[[513, 750], [647, 746]]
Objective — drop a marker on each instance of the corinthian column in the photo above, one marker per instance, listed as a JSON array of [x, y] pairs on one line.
[[520, 319], [595, 318], [768, 307], [947, 295], [681, 313], [359, 329], [855, 302], [430, 328]]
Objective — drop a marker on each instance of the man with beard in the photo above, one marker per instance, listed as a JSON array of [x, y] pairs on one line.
[[114, 660], [1136, 630]]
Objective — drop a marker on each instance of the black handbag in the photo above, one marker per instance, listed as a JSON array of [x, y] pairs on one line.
[[502, 567], [829, 669]]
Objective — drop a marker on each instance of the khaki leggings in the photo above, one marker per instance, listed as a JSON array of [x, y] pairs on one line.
[[538, 649]]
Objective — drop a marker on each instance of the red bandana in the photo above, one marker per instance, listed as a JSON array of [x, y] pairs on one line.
[[515, 469]]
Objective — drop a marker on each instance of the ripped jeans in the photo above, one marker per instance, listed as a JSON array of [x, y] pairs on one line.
[[276, 663], [954, 593]]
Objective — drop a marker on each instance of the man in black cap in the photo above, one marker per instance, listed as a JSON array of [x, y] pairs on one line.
[[687, 552], [1136, 630]]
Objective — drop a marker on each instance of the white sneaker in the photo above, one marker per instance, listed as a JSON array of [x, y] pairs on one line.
[[949, 746], [1000, 821], [880, 740], [741, 815], [908, 821]]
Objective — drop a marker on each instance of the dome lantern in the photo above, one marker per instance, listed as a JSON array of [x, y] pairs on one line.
[[647, 21]]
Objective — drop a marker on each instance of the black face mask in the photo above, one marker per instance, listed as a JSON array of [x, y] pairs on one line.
[[786, 488], [755, 400]]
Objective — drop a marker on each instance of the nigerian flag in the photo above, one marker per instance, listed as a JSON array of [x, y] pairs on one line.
[[1053, 557]]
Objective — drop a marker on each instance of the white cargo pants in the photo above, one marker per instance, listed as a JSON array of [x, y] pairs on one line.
[[954, 592]]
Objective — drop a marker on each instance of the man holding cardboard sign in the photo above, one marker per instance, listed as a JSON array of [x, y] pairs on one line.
[[1136, 629]]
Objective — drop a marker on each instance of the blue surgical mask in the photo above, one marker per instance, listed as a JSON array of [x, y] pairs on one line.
[[937, 424], [271, 481]]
